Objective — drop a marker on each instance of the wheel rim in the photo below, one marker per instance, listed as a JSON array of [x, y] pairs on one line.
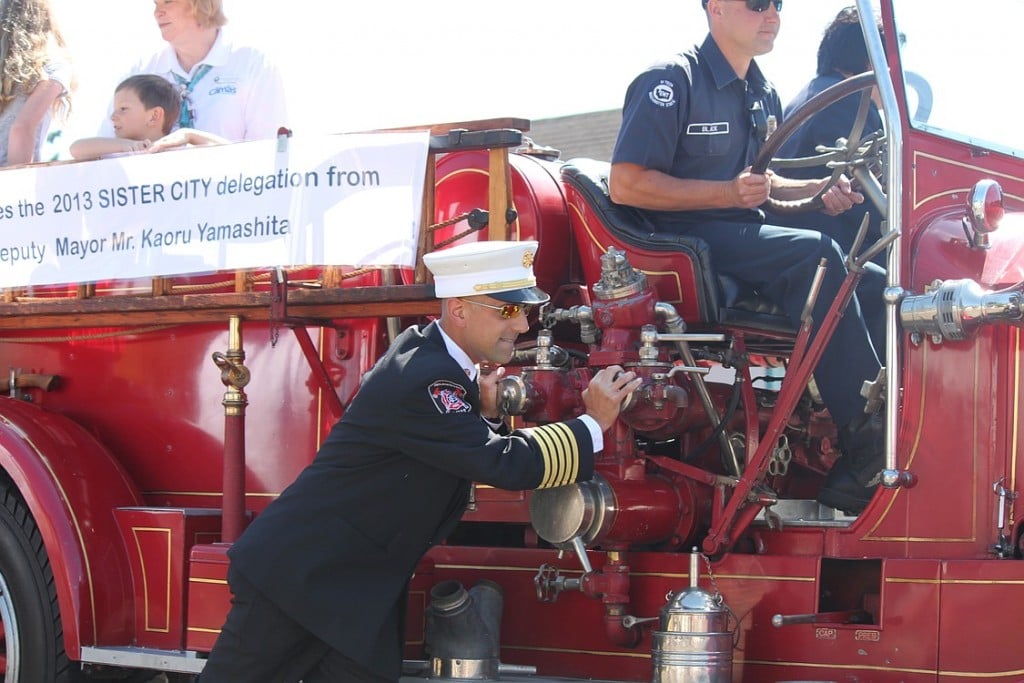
[[8, 635]]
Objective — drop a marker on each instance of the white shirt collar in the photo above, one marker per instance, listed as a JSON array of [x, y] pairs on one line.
[[217, 56], [460, 356]]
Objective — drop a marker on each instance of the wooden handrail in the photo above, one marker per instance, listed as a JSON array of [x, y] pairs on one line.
[[115, 311], [474, 125]]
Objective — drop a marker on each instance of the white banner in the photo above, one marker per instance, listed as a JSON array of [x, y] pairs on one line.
[[330, 200]]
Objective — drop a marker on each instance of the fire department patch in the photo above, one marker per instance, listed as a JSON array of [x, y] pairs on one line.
[[449, 397], [663, 94]]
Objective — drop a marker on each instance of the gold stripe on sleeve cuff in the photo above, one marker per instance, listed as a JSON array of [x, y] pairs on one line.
[[560, 452]]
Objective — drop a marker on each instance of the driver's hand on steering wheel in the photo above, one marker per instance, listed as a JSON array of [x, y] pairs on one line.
[[840, 197]]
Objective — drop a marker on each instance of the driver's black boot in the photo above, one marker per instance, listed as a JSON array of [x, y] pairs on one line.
[[852, 481]]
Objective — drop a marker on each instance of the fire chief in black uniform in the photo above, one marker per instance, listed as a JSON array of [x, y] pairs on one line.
[[320, 577]]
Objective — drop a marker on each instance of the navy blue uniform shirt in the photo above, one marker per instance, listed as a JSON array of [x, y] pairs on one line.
[[693, 117]]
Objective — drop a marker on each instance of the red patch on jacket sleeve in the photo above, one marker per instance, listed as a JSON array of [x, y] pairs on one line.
[[449, 397]]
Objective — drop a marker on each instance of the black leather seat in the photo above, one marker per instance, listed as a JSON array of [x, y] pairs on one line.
[[721, 299]]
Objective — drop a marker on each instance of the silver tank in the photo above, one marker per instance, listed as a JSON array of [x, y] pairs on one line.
[[694, 643]]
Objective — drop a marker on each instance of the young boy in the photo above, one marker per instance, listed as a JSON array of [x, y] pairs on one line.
[[146, 107]]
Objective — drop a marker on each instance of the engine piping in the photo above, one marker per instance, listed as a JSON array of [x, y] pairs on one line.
[[675, 325]]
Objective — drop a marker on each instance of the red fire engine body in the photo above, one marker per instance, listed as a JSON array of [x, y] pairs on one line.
[[144, 428]]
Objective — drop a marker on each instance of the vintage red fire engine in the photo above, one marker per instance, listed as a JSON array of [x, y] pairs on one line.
[[129, 460]]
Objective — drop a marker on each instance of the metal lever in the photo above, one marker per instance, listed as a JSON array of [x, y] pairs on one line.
[[629, 621], [581, 553], [846, 616], [549, 583]]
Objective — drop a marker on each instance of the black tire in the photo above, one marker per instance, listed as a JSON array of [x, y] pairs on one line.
[[28, 601]]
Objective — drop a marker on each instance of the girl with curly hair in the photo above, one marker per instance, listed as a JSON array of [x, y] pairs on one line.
[[35, 78]]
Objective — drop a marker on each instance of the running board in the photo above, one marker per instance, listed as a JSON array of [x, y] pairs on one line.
[[182, 661], [187, 661]]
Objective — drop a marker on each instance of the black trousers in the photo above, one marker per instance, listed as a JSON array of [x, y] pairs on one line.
[[261, 644], [842, 228], [780, 263]]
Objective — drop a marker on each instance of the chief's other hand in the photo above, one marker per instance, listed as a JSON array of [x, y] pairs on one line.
[[607, 390]]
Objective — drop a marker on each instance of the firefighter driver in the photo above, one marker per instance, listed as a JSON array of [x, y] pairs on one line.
[[319, 579]]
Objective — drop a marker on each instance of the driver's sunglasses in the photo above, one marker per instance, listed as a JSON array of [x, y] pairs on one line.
[[763, 5], [506, 311]]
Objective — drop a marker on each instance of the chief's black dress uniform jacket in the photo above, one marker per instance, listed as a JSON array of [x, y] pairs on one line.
[[335, 551]]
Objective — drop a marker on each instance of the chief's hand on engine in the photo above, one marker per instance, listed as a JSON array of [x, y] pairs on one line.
[[607, 390], [490, 376]]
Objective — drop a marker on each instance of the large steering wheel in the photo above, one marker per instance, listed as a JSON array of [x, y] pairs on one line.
[[859, 156]]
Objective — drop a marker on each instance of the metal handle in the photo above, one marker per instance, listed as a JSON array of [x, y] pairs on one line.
[[629, 621], [581, 553], [847, 616]]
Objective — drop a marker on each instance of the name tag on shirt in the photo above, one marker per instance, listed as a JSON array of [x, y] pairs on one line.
[[708, 128]]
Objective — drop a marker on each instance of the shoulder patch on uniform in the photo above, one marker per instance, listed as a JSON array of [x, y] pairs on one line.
[[449, 397], [663, 94]]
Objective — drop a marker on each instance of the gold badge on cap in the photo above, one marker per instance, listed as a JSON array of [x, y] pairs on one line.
[[527, 259]]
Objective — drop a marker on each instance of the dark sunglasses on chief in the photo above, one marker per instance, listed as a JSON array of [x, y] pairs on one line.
[[506, 311]]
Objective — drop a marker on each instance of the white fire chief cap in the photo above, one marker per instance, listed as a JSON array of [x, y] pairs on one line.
[[501, 270]]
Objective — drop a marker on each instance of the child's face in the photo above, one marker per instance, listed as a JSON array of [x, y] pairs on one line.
[[131, 119]]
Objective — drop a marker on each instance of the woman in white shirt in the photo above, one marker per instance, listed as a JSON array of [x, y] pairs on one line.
[[232, 91]]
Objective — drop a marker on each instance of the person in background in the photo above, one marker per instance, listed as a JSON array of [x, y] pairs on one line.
[[146, 107], [691, 127], [842, 54], [232, 91], [320, 578], [36, 78]]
